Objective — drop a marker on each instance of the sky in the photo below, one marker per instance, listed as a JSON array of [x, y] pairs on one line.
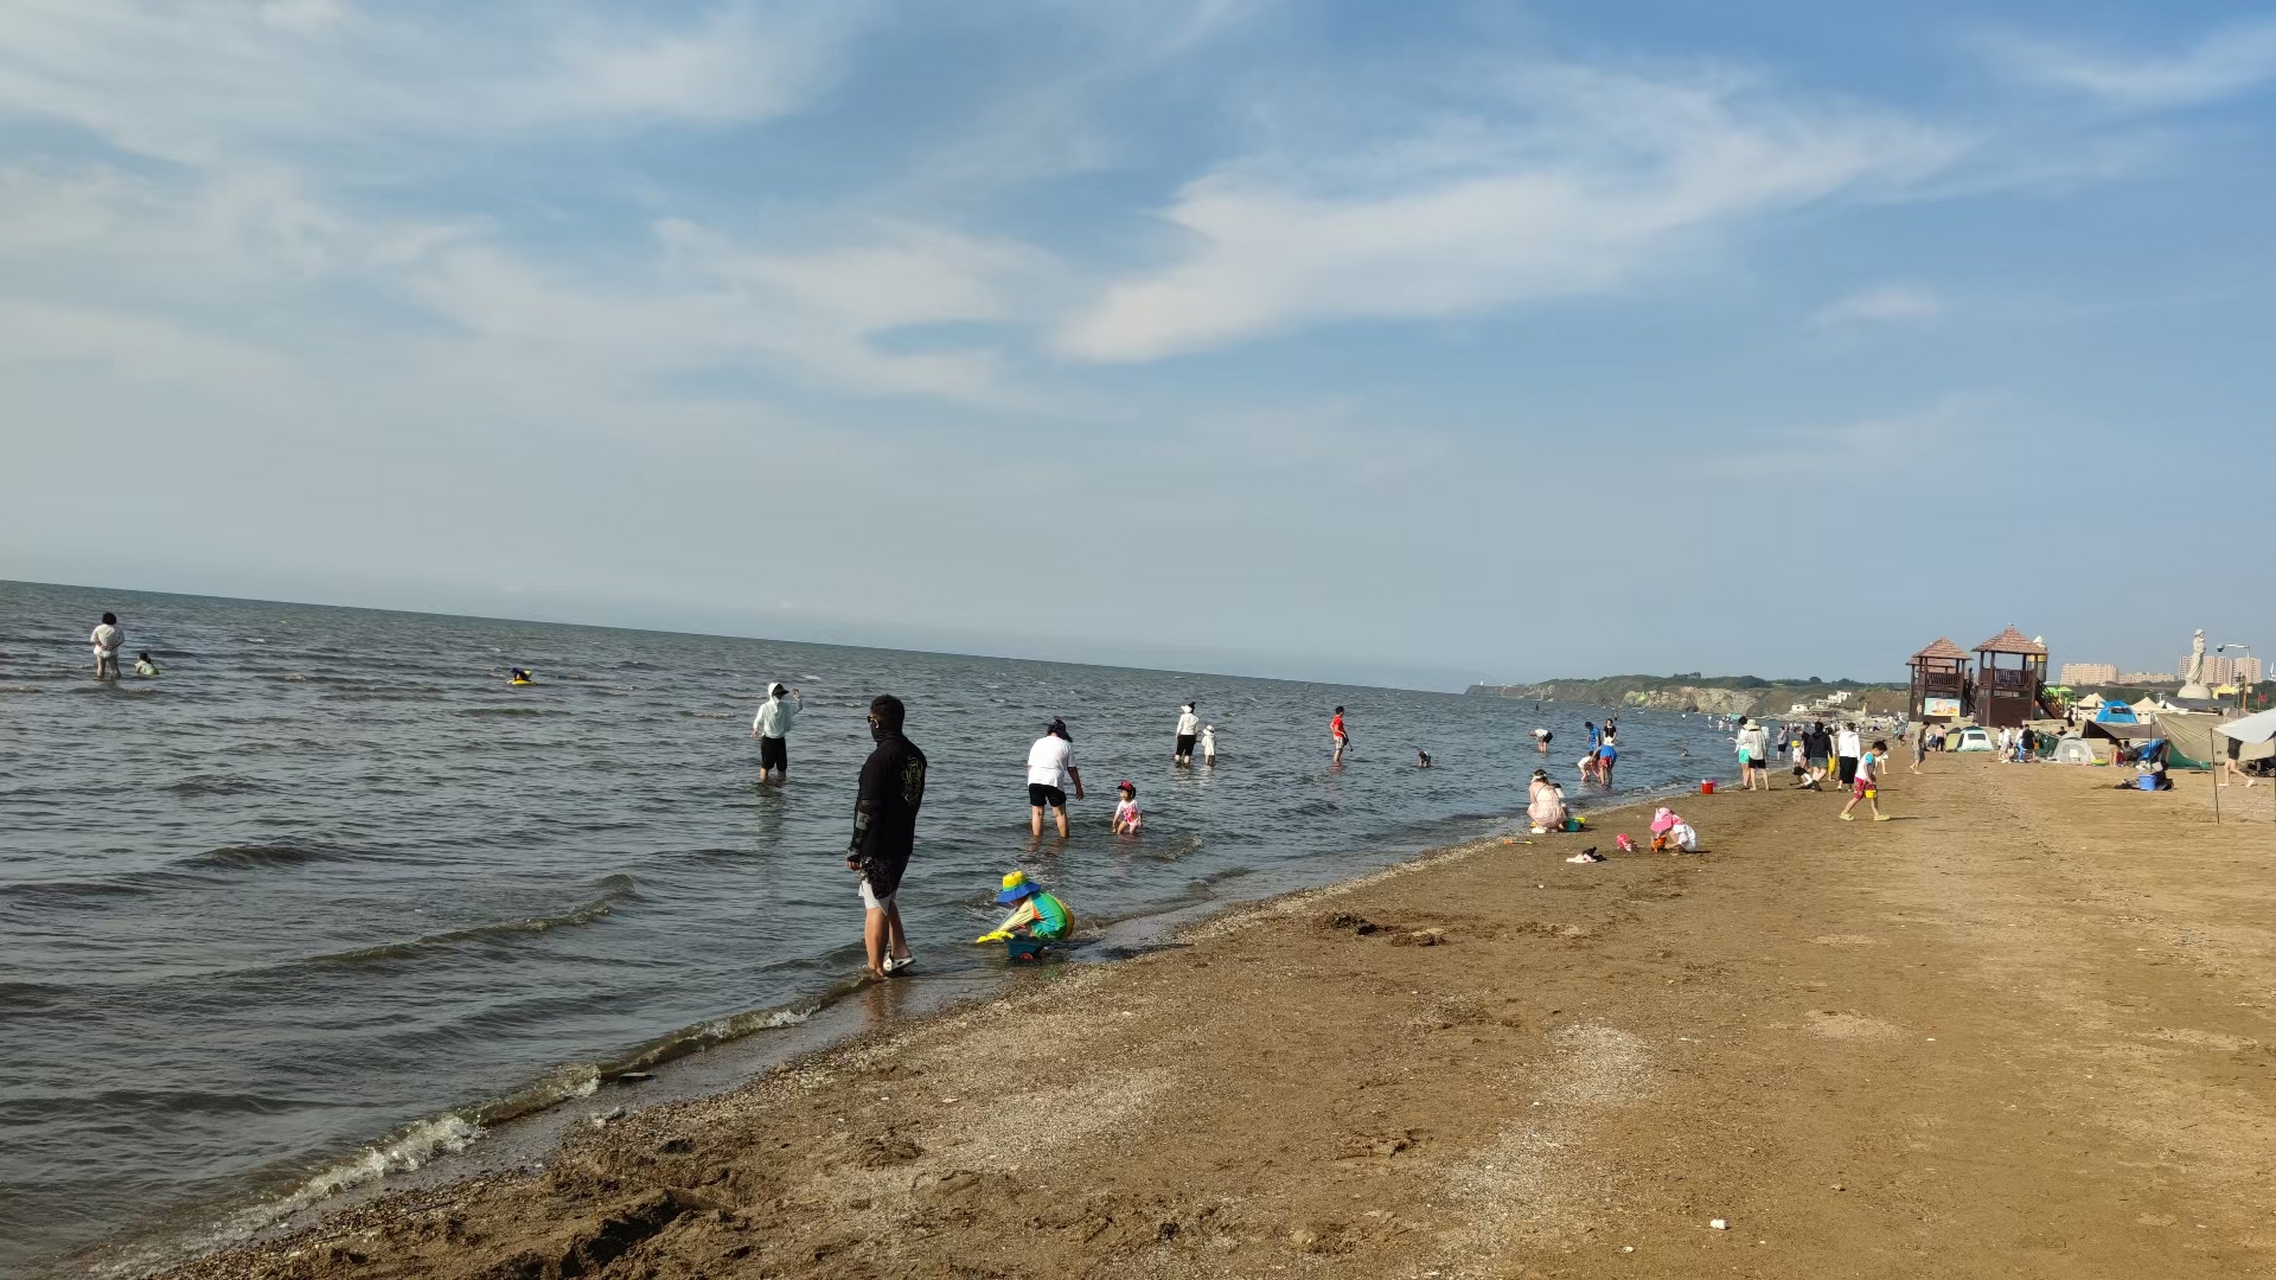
[[1417, 344]]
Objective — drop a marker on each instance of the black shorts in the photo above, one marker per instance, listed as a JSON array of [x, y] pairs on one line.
[[774, 753], [1185, 744], [1043, 797], [1848, 770]]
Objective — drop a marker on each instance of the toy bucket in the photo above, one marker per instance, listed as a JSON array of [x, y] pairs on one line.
[[1576, 824], [1706, 786]]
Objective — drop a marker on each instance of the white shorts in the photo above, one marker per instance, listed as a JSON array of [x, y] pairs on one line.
[[872, 901]]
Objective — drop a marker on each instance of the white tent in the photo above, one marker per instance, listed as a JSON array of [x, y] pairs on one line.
[[2258, 728], [2073, 751], [2251, 738]]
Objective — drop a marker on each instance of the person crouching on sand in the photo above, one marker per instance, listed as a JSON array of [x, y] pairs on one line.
[[1127, 816], [1041, 918], [1867, 787], [1545, 804]]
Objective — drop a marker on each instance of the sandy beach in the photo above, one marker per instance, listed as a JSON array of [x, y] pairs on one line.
[[2025, 1029]]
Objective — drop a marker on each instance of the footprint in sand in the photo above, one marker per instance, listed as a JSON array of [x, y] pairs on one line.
[[1835, 1025], [2204, 1039]]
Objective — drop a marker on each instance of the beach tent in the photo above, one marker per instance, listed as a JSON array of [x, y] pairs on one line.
[[2073, 751], [2191, 733], [2252, 738], [2145, 710], [2117, 730]]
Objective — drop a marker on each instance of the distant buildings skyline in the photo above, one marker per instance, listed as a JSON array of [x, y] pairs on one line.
[[2220, 669]]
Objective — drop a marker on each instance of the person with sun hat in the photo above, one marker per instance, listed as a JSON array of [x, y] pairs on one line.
[[1039, 919]]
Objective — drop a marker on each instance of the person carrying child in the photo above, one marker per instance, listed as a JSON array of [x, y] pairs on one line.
[[1041, 918], [1127, 817]]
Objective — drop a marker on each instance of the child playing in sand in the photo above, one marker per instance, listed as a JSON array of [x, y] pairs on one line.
[[1671, 834], [1127, 818], [1041, 918], [1867, 786]]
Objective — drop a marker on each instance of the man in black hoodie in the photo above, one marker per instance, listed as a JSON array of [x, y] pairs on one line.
[[885, 831]]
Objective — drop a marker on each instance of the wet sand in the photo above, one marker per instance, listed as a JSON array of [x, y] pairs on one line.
[[2025, 1030]]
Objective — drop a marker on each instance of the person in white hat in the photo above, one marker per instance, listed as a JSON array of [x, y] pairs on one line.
[[772, 727]]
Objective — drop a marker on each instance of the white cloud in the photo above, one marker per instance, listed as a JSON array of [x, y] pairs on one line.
[[1883, 303], [200, 80], [2222, 64], [1581, 192]]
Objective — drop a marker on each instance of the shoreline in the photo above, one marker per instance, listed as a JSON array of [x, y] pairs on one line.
[[2020, 1032], [515, 1132]]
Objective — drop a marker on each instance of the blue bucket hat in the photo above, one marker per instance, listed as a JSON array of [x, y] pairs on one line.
[[1016, 887]]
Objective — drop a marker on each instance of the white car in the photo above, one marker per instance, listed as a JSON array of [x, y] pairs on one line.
[[1975, 739]]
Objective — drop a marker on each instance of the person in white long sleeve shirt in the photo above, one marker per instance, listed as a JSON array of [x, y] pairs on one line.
[[1189, 724], [106, 639], [771, 727]]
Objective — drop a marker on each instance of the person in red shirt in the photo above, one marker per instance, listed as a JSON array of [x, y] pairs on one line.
[[1336, 731]]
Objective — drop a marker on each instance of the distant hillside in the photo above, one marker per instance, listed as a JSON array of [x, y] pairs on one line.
[[1718, 695]]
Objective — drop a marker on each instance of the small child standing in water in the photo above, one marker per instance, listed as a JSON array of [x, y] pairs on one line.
[[1208, 744], [1127, 818]]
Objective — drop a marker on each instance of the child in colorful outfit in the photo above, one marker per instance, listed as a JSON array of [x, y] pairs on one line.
[[1868, 784], [1127, 818], [1040, 919]]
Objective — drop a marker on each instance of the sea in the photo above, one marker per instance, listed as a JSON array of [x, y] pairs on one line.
[[327, 903]]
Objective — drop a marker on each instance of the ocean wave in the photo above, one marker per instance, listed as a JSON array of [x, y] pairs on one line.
[[717, 1031], [212, 784], [614, 889], [413, 1148], [63, 892], [245, 857]]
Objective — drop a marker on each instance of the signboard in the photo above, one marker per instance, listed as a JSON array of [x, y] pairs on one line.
[[1939, 708]]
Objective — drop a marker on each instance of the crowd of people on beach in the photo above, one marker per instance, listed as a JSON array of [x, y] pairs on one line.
[[891, 791], [1822, 758], [891, 787]]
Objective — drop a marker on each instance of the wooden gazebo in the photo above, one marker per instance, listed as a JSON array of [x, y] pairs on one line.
[[2011, 668], [1940, 681]]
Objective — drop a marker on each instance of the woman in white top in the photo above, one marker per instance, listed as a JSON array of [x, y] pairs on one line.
[[106, 639], [1189, 724], [1050, 771]]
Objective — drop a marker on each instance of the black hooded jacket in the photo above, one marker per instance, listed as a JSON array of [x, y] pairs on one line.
[[885, 812]]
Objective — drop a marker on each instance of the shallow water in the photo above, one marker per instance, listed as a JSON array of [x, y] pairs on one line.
[[327, 896]]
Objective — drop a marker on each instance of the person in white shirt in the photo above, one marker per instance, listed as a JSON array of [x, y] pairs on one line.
[[106, 639], [772, 727], [1209, 744], [1754, 755], [1846, 748], [1050, 772], [1189, 725]]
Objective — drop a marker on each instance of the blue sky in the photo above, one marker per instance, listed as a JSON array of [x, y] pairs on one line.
[[1415, 343]]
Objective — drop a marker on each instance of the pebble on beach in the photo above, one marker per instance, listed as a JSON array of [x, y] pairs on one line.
[[1719, 1225]]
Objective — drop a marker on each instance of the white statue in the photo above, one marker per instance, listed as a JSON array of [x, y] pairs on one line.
[[2193, 679]]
